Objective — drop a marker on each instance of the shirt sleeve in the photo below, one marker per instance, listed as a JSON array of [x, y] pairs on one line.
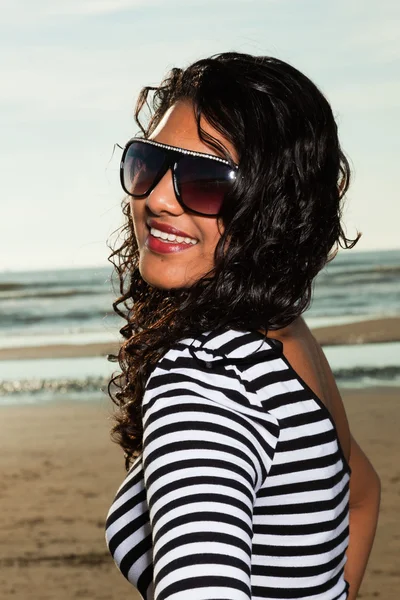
[[204, 460]]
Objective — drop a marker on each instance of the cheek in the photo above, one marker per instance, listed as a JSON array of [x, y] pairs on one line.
[[210, 236], [134, 209], [211, 230], [214, 234]]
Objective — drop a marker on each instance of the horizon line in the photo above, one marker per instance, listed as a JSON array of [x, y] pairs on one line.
[[4, 270]]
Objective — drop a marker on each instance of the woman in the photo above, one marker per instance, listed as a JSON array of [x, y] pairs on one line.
[[240, 451]]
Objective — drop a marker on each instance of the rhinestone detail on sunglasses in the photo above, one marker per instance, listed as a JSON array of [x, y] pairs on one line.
[[182, 150]]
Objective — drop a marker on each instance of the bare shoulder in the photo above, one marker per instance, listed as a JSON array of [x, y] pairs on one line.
[[307, 358]]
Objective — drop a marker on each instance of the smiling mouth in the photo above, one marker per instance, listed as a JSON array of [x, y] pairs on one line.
[[170, 238]]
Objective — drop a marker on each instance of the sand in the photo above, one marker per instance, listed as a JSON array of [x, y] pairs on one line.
[[362, 332], [371, 331], [59, 473]]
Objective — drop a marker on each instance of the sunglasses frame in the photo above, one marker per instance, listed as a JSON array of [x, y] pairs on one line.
[[173, 155]]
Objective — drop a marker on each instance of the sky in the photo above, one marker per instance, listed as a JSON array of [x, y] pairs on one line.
[[71, 70]]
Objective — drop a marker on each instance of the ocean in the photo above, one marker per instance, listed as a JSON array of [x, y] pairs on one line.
[[74, 306]]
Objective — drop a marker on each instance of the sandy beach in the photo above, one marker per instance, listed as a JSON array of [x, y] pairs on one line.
[[60, 472], [371, 331]]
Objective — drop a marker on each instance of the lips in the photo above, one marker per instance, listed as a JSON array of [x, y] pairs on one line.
[[168, 229], [163, 247]]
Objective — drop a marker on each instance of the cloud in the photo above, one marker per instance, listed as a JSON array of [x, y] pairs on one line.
[[95, 7], [69, 82], [41, 8], [15, 11]]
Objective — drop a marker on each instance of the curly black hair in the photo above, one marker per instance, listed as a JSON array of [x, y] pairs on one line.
[[282, 218]]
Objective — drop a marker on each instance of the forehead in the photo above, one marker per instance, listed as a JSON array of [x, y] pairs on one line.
[[178, 127]]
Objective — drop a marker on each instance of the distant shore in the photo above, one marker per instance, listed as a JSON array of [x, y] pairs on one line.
[[361, 332]]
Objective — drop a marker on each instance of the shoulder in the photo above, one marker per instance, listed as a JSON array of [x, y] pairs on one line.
[[214, 366], [219, 352], [197, 397], [307, 359]]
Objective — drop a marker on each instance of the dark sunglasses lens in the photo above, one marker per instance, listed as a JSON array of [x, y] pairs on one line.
[[203, 183], [142, 164]]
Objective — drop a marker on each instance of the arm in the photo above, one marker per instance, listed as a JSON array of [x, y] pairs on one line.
[[203, 463], [365, 490]]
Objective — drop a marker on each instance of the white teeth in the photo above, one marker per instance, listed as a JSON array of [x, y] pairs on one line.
[[170, 237]]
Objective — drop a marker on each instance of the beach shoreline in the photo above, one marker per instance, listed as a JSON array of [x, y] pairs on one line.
[[360, 332]]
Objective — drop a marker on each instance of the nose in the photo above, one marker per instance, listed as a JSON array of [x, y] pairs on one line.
[[162, 198]]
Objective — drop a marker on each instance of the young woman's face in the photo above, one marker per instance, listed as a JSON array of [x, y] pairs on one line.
[[158, 266]]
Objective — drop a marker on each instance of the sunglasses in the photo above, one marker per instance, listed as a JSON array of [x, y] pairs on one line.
[[200, 180]]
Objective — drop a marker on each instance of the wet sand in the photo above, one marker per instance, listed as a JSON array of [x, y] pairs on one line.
[[372, 331], [59, 473]]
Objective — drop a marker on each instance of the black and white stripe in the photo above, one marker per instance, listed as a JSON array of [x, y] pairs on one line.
[[241, 491]]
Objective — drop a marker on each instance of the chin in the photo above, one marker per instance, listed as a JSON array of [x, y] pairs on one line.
[[159, 277], [162, 277]]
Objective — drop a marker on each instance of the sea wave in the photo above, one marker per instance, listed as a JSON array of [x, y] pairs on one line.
[[363, 269], [89, 315], [61, 386], [6, 286], [378, 374], [365, 276], [65, 386], [33, 294]]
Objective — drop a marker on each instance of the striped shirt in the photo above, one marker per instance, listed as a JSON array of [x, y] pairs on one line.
[[241, 490]]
